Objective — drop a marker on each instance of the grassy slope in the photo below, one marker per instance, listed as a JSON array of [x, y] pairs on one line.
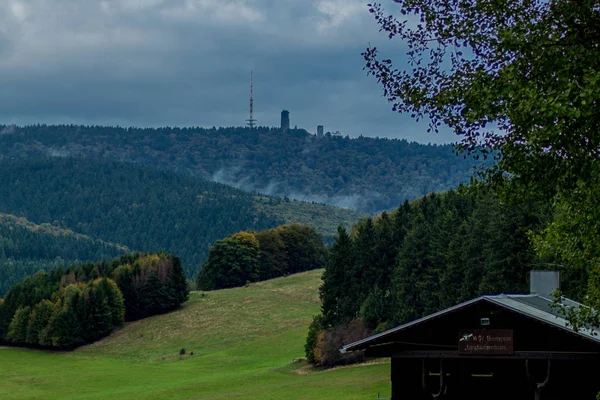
[[243, 339], [325, 219]]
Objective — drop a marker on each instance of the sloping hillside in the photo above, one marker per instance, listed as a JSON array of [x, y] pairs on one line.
[[26, 248], [363, 173], [243, 340], [146, 209], [325, 219]]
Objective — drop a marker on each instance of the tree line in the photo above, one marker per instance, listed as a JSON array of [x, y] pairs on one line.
[[256, 256], [335, 170], [425, 256], [68, 308]]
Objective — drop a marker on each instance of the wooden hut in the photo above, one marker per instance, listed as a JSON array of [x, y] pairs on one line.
[[492, 347]]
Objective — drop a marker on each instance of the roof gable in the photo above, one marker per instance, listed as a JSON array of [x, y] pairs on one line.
[[532, 307]]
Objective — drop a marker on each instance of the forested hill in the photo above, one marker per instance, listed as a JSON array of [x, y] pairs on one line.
[[364, 173], [145, 209], [26, 248]]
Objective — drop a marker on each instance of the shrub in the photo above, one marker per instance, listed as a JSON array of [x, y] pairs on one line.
[[315, 327], [330, 341]]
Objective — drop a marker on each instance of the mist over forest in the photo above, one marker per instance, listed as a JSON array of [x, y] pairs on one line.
[[367, 174]]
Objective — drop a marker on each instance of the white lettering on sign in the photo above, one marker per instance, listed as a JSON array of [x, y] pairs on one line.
[[485, 342]]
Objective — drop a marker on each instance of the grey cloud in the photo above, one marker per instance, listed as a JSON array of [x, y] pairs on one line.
[[6, 45], [187, 62]]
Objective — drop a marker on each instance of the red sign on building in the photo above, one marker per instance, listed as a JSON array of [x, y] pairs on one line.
[[485, 341]]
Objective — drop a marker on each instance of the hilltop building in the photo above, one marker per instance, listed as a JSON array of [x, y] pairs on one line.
[[285, 120], [320, 131], [515, 346]]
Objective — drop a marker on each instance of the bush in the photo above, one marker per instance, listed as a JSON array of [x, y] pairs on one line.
[[330, 341], [316, 326]]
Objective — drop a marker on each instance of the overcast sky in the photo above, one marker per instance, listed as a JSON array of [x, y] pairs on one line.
[[188, 63]]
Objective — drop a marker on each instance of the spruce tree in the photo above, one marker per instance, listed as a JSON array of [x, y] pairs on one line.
[[335, 292], [364, 271]]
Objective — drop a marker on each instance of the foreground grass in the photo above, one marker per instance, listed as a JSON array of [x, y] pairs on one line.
[[244, 341]]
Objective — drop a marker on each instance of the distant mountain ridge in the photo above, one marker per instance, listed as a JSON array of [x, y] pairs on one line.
[[369, 174], [146, 209]]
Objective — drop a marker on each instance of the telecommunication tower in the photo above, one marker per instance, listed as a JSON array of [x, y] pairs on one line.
[[251, 122]]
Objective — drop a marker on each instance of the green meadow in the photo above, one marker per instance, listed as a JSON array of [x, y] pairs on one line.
[[246, 343]]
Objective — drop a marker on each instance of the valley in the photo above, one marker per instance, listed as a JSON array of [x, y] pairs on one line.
[[147, 209]]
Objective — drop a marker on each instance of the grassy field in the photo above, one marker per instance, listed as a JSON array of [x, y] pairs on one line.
[[244, 343]]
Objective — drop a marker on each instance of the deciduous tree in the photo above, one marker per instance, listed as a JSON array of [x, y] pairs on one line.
[[520, 78]]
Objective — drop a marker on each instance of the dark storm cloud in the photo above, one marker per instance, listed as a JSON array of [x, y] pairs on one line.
[[187, 62]]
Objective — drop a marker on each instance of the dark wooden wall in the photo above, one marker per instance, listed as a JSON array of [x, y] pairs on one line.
[[507, 379]]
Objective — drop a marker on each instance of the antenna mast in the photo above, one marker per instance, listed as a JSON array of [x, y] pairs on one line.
[[251, 121]]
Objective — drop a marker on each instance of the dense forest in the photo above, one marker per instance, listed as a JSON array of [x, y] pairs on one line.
[[142, 208], [363, 173], [434, 253], [65, 309], [26, 248], [257, 256]]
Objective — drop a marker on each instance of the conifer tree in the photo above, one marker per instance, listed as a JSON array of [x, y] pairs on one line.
[[337, 300], [364, 271], [386, 250], [412, 279], [123, 276], [97, 319]]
